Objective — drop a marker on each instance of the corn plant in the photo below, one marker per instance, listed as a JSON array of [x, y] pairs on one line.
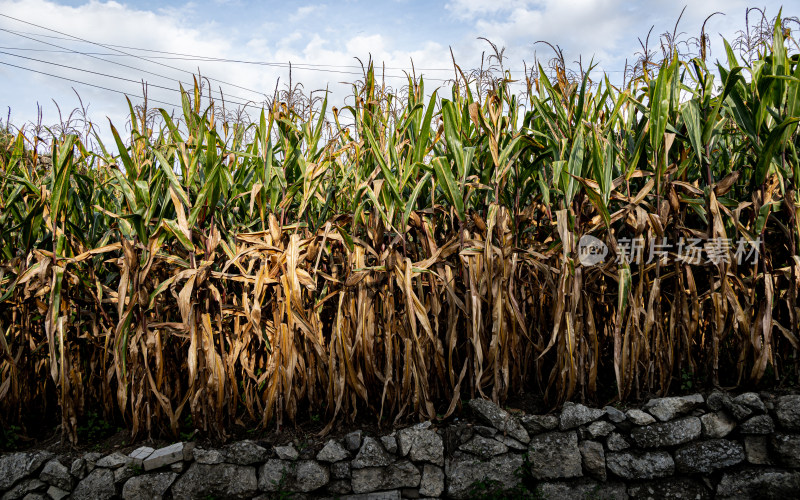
[[407, 251]]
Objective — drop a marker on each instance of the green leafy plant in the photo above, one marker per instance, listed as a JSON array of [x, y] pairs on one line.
[[96, 427], [9, 437]]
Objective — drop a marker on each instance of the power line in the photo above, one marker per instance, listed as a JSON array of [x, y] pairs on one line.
[[120, 64], [264, 63], [170, 89], [121, 51], [111, 47], [88, 84], [68, 50], [182, 56], [195, 57], [176, 55]]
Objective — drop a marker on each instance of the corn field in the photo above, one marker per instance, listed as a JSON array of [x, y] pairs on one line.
[[406, 252]]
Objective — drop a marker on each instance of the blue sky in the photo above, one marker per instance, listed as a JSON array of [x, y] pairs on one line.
[[313, 33]]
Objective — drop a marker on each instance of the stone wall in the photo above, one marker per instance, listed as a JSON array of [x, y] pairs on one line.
[[721, 446]]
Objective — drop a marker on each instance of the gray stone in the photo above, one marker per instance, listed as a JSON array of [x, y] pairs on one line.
[[332, 452], [761, 424], [583, 433], [485, 431], [499, 419], [98, 485], [340, 470], [594, 459], [274, 475], [339, 487], [678, 488], [402, 474], [640, 464], [617, 442], [139, 454], [177, 467], [667, 433], [163, 457], [666, 409], [208, 457], [432, 482], [769, 400], [78, 468], [148, 486], [787, 411], [484, 447], [787, 449], [759, 483], [287, 452], [352, 441], [458, 434], [245, 453], [739, 411], [421, 444], [614, 414], [717, 425], [371, 454], [714, 400], [555, 455], [582, 490], [601, 428], [188, 451], [752, 401], [126, 472], [113, 461], [16, 466], [639, 417], [308, 476], [389, 443], [539, 423], [574, 415], [463, 470], [707, 456], [512, 443], [220, 480], [56, 474], [755, 448], [55, 493], [23, 488], [91, 461]]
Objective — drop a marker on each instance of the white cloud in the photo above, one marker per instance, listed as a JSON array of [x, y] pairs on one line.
[[306, 11], [467, 9]]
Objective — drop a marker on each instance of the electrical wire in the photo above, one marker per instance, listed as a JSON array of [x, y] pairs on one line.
[[265, 63], [88, 84], [121, 78], [117, 63], [111, 47], [122, 52]]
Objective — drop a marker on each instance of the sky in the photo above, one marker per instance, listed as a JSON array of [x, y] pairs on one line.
[[117, 44]]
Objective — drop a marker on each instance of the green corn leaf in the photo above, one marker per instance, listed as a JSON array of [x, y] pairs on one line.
[[774, 143], [412, 200], [444, 176], [574, 166], [61, 181], [691, 117]]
